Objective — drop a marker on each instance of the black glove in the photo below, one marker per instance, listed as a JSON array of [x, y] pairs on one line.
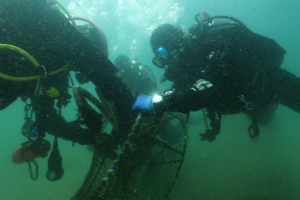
[[40, 147], [215, 124], [209, 135]]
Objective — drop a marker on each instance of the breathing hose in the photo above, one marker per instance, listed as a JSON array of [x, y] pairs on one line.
[[34, 62], [67, 12]]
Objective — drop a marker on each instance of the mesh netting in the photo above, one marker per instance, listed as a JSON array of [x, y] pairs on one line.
[[148, 166]]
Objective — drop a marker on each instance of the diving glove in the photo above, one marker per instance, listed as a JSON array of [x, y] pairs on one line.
[[209, 135], [144, 102]]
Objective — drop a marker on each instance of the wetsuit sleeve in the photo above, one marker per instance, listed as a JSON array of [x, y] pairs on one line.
[[191, 99], [198, 95], [71, 131], [49, 121], [86, 58]]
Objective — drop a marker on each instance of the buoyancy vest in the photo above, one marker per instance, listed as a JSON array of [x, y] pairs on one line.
[[249, 56], [223, 32], [251, 59]]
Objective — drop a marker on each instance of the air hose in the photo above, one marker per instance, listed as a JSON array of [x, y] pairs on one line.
[[151, 74], [29, 57], [67, 12], [34, 62], [72, 19], [102, 35], [150, 70]]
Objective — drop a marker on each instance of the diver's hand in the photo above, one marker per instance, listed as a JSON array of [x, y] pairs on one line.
[[144, 102], [40, 147], [209, 135]]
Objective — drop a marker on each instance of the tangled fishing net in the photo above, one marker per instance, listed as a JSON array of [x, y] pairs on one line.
[[144, 167]]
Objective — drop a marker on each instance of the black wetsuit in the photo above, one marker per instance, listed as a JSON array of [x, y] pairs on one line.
[[232, 70], [51, 39], [139, 80]]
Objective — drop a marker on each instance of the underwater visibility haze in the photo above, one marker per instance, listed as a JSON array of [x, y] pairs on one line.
[[233, 167]]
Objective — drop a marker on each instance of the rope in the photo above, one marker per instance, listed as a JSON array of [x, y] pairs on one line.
[[67, 12], [116, 162]]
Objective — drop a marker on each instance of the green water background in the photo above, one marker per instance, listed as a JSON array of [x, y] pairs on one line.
[[231, 168]]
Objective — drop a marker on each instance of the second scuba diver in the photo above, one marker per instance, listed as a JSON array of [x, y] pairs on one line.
[[138, 77], [224, 67]]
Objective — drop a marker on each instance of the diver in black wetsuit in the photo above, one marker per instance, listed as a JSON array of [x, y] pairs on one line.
[[138, 77], [224, 67], [49, 37]]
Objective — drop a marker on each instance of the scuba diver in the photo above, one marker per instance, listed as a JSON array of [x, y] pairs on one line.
[[37, 44], [224, 67], [138, 78]]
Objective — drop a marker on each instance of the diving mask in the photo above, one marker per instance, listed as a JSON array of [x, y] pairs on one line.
[[162, 58]]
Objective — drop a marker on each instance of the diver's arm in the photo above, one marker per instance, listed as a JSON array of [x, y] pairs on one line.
[[186, 98], [86, 58], [54, 124], [190, 99], [72, 131], [106, 77]]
